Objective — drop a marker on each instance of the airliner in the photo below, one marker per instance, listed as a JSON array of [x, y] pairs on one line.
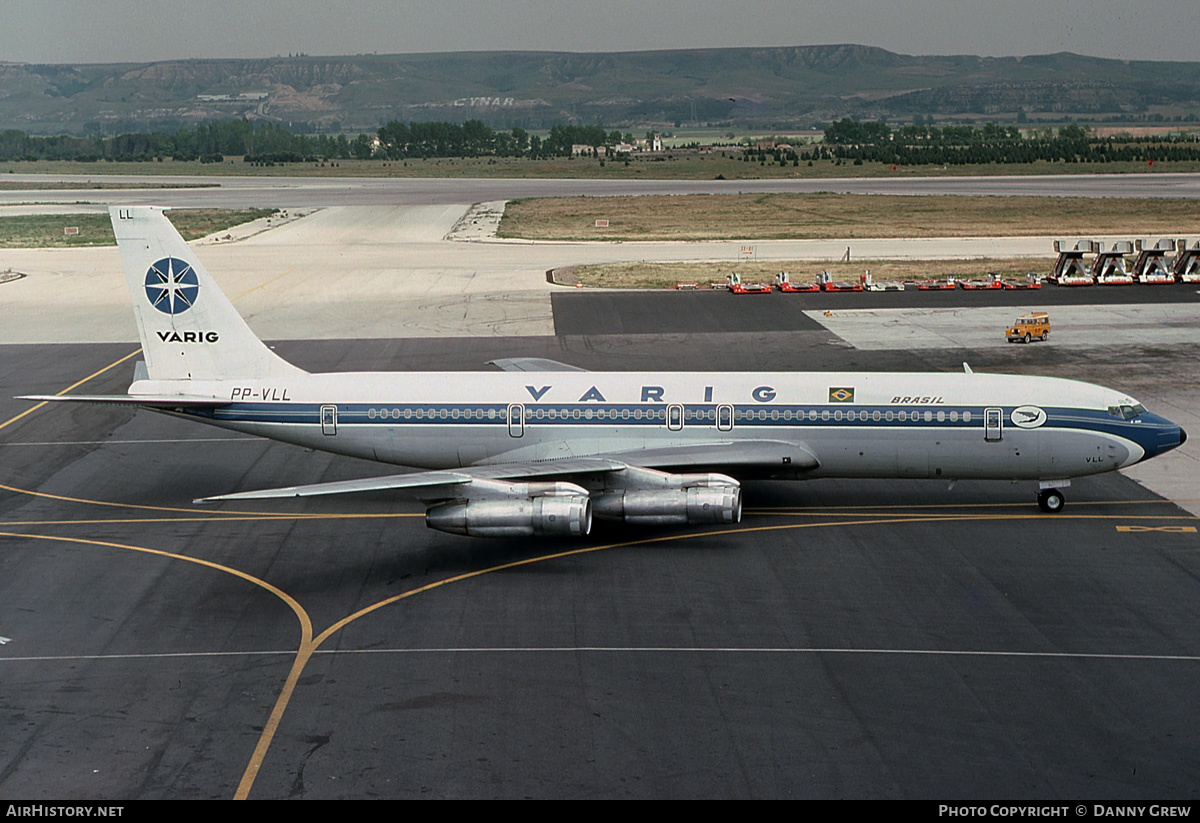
[[537, 447]]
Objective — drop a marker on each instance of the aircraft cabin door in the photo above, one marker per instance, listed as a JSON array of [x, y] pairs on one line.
[[329, 420], [675, 417], [993, 425], [516, 420], [724, 418]]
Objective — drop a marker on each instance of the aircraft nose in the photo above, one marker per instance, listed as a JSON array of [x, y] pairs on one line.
[[1163, 436], [1171, 437]]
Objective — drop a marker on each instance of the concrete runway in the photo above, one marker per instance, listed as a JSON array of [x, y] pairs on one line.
[[849, 639]]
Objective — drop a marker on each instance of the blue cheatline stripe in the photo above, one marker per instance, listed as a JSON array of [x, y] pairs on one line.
[[1151, 433], [595, 414], [1144, 431]]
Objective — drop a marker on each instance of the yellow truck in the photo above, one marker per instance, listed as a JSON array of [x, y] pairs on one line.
[[1028, 327]]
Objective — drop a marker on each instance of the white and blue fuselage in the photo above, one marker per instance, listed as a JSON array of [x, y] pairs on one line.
[[953, 426]]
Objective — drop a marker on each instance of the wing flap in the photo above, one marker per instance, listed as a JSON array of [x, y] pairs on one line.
[[750, 455]]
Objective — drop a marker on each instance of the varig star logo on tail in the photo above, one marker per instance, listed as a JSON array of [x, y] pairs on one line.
[[171, 285]]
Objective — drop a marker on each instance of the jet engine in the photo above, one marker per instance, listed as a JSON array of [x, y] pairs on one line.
[[549, 516], [698, 498]]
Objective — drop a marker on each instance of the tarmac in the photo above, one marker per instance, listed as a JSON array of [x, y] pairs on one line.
[[849, 639]]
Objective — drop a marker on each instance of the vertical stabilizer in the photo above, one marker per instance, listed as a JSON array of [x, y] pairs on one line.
[[189, 329]]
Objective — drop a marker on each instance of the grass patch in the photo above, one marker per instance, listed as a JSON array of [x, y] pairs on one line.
[[667, 275], [841, 216], [40, 231]]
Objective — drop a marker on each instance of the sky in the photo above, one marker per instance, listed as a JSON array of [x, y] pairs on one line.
[[112, 31]]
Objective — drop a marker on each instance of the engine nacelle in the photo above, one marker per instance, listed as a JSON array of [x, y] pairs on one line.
[[566, 515], [663, 507]]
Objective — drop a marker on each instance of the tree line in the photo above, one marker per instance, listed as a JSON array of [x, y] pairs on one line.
[[852, 141], [473, 139], [205, 142], [272, 143]]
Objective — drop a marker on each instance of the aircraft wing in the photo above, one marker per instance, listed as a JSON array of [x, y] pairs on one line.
[[757, 456], [433, 485], [531, 364]]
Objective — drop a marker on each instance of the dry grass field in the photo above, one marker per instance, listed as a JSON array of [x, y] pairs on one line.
[[668, 275], [841, 216], [47, 231]]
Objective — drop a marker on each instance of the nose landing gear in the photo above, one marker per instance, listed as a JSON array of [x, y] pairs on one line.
[[1051, 501]]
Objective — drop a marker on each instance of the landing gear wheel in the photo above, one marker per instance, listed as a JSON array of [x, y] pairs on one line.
[[1051, 501]]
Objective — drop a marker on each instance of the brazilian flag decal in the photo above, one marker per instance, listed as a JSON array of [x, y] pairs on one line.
[[841, 394]]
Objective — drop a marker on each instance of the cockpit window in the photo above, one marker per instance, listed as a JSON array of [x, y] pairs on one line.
[[1127, 412]]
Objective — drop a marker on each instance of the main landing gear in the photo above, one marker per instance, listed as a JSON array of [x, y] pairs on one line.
[[1051, 501]]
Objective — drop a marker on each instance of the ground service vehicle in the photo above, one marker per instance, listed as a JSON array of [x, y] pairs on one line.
[[1032, 326]]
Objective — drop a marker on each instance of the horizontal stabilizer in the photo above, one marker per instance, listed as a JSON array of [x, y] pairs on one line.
[[165, 401]]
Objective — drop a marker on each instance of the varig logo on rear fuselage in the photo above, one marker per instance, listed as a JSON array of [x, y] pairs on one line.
[[171, 285]]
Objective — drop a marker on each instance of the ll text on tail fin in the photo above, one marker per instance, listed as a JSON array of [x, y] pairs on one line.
[[189, 329]]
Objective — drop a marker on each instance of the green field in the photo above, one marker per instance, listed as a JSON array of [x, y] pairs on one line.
[[47, 231]]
